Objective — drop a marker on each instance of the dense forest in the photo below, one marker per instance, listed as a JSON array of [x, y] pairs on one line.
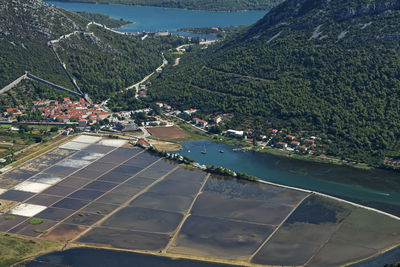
[[108, 62], [214, 5], [328, 67], [220, 32], [102, 62]]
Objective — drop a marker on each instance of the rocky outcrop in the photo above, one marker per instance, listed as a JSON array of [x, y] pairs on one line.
[[32, 19], [298, 14]]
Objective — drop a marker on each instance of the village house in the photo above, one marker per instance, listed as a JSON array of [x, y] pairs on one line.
[[274, 131], [217, 119], [143, 143], [82, 123], [202, 123], [12, 112], [281, 145], [142, 94], [62, 118], [308, 142], [190, 111], [295, 144], [68, 131], [196, 120], [290, 137], [167, 107], [303, 148], [235, 133]]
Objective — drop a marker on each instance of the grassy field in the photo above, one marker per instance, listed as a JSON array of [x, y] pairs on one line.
[[41, 148], [165, 146], [14, 249], [14, 141], [283, 153], [194, 134]]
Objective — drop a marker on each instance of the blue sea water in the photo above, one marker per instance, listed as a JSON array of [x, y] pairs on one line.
[[376, 188], [154, 19]]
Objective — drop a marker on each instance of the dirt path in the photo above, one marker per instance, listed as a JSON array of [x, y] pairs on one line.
[[186, 215], [126, 203], [277, 228]]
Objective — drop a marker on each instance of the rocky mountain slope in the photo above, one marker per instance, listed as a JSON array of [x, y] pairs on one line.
[[326, 67], [102, 61]]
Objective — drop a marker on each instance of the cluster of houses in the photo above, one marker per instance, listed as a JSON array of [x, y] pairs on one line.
[[304, 145], [164, 107], [214, 121], [65, 111], [12, 112], [142, 91]]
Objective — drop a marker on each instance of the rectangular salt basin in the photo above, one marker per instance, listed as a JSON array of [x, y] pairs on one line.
[[2, 190], [45, 179], [73, 163], [87, 139], [32, 187], [83, 155], [74, 145], [112, 142], [27, 210]]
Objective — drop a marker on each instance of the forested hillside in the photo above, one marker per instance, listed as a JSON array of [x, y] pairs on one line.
[[25, 28], [215, 5], [327, 67], [103, 62]]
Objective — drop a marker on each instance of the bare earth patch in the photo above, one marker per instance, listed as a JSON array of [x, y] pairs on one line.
[[6, 205], [172, 132], [64, 232], [165, 146]]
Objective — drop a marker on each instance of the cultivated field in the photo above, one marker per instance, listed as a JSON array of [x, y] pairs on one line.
[[173, 132]]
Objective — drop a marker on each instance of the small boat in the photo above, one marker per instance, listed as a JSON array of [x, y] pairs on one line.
[[221, 151], [204, 151]]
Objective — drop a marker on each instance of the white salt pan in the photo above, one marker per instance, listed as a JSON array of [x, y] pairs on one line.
[[73, 163], [87, 139], [45, 179], [112, 142], [74, 145], [32, 187], [27, 210]]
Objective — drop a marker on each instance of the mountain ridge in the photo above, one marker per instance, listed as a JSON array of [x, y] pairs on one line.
[[331, 72]]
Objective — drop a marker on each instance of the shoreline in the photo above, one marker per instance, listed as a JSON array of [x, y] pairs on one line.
[[125, 25], [170, 255], [288, 154], [271, 151], [316, 159], [179, 8]]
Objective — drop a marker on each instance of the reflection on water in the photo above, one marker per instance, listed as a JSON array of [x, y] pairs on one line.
[[376, 188], [391, 256], [89, 257]]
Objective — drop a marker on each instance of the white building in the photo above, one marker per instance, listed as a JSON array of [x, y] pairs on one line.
[[235, 133]]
